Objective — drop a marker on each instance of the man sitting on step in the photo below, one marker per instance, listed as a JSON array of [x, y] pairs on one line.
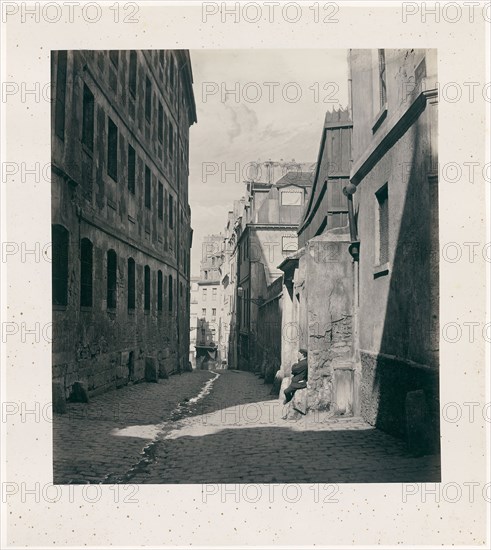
[[300, 373]]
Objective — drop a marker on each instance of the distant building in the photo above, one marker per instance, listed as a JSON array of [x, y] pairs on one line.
[[193, 321], [120, 215], [209, 308], [266, 235]]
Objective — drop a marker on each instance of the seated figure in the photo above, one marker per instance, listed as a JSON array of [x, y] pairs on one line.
[[300, 375]]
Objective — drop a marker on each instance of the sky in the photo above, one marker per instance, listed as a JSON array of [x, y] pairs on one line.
[[252, 106]]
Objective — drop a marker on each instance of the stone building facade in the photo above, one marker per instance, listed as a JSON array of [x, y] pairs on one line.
[[395, 171], [267, 234], [120, 216], [209, 301], [362, 292]]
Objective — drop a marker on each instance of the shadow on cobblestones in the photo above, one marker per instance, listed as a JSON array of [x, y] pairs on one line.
[[274, 454]]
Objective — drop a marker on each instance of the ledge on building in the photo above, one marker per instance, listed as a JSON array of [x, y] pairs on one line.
[[381, 116], [381, 270]]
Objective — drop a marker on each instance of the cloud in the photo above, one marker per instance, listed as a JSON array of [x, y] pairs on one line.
[[242, 120]]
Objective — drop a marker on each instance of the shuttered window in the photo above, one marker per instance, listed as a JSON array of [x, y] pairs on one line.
[[112, 266], [132, 73], [161, 201], [147, 288], [383, 219], [148, 187], [160, 290], [88, 118], [131, 283], [112, 149], [131, 169], [86, 273], [148, 99], [61, 70]]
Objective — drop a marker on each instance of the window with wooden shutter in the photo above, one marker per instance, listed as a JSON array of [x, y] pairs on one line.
[[131, 283], [148, 187], [146, 285], [86, 273], [61, 70], [132, 73], [131, 169], [88, 118], [148, 99], [112, 267], [383, 224], [112, 149], [160, 290]]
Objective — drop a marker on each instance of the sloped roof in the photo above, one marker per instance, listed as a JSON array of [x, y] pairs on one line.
[[302, 179]]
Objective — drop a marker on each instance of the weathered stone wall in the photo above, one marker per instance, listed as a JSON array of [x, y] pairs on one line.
[[386, 382], [328, 300]]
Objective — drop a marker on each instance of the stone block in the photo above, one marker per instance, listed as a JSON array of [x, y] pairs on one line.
[[151, 372], [416, 422], [163, 371], [79, 393], [299, 401], [58, 399]]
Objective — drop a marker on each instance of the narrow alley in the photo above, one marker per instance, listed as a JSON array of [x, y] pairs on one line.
[[221, 427]]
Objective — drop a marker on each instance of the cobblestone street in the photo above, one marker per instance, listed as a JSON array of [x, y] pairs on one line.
[[223, 427]]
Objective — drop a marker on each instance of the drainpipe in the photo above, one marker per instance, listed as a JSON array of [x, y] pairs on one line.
[[354, 250]]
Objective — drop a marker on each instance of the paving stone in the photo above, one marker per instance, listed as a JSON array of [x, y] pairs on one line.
[[234, 434]]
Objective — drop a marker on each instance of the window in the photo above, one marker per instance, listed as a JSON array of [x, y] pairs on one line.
[[170, 133], [213, 293], [161, 123], [146, 290], [170, 293], [171, 211], [289, 244], [131, 283], [114, 57], [291, 198], [112, 149], [206, 275], [205, 292], [148, 187], [86, 273], [383, 224], [132, 73], [382, 78], [112, 268], [160, 290], [59, 265], [214, 312], [203, 312], [88, 118], [131, 169], [213, 261], [61, 69], [160, 202], [148, 99]]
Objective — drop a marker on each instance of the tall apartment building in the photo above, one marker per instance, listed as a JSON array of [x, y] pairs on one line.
[[120, 215]]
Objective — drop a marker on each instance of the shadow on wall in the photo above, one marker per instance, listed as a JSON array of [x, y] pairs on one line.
[[401, 385]]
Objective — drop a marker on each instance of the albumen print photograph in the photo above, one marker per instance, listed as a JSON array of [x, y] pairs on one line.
[[245, 266]]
